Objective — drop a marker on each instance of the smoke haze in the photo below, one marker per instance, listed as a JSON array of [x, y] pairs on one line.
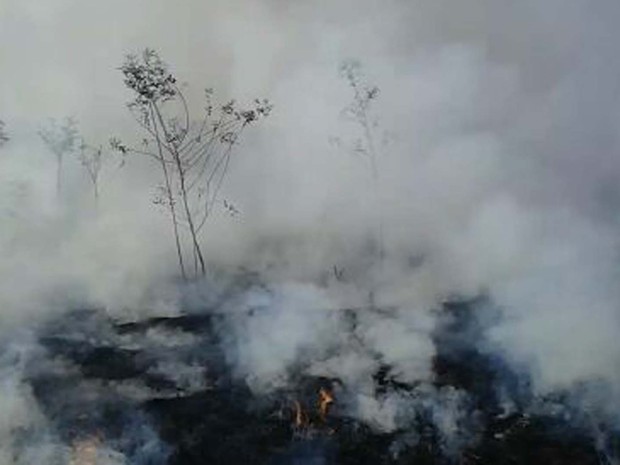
[[499, 176]]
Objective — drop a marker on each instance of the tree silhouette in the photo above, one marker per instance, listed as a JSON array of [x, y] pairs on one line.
[[61, 139]]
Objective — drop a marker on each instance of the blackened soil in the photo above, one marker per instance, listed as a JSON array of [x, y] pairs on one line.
[[97, 377]]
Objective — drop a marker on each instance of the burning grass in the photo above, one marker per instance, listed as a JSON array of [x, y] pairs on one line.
[[111, 395]]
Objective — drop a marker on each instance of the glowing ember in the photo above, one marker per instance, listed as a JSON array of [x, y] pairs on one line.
[[301, 419], [325, 400], [85, 452]]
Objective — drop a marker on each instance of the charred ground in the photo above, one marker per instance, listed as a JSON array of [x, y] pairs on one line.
[[162, 391]]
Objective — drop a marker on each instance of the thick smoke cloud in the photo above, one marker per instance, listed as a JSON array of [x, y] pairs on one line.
[[500, 176]]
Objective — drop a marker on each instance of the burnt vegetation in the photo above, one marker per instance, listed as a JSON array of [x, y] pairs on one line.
[[112, 386]]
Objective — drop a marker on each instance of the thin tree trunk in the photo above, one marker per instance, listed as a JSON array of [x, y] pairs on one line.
[[375, 178], [170, 198], [184, 197], [190, 220]]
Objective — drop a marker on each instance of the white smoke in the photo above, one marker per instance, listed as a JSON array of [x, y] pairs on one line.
[[500, 176]]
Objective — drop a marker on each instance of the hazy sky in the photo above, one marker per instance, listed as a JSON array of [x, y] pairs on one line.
[[549, 70]]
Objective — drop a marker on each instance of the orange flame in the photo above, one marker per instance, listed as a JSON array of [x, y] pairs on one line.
[[325, 400], [85, 451], [301, 418], [308, 421]]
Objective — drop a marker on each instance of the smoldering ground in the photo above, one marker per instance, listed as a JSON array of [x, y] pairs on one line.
[[498, 177]]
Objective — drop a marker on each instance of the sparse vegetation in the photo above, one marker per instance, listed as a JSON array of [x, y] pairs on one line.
[[370, 138], [367, 143], [359, 112]]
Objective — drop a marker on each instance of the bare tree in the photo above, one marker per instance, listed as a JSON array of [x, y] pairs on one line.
[[4, 138], [358, 111], [61, 139], [370, 139], [194, 155], [91, 159]]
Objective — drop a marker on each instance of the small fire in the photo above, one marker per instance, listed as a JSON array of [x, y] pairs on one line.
[[325, 400], [305, 420], [301, 419], [84, 451]]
